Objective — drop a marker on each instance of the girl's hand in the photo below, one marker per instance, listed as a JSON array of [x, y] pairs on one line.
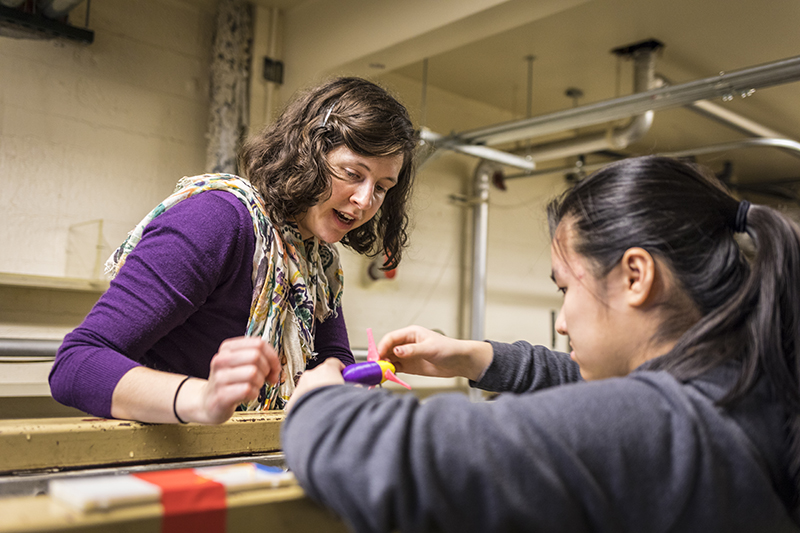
[[416, 350], [238, 371], [328, 373]]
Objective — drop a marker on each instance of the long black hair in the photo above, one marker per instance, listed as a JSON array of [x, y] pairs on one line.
[[287, 162], [745, 309]]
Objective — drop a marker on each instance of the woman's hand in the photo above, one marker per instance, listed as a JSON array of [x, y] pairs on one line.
[[328, 373], [238, 371], [416, 350]]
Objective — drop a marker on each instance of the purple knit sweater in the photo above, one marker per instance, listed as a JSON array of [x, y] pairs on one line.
[[184, 289]]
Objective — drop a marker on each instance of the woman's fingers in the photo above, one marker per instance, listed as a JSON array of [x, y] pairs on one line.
[[242, 351], [239, 374], [249, 351], [238, 371], [401, 342], [416, 350], [231, 395]]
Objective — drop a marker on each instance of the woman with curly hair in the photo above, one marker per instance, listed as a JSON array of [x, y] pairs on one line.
[[231, 287]]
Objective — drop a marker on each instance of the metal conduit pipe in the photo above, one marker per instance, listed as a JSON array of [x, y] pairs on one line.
[[483, 152], [739, 82], [725, 116], [480, 240], [790, 146], [735, 120], [28, 347], [613, 138], [738, 122], [793, 147], [742, 82]]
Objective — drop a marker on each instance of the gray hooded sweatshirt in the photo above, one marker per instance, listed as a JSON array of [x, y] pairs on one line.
[[644, 453]]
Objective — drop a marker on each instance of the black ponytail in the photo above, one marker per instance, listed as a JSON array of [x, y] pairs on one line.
[[749, 309]]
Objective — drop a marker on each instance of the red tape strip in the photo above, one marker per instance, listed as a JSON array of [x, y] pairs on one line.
[[191, 502]]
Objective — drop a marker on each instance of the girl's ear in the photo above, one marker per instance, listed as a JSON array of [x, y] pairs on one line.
[[639, 273]]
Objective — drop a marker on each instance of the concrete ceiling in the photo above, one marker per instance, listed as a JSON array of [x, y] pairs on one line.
[[478, 51]]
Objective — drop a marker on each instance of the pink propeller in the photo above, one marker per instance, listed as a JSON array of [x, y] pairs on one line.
[[372, 355]]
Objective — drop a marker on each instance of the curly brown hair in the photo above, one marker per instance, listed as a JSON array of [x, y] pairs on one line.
[[287, 161]]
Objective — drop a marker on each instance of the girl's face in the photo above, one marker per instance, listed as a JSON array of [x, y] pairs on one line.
[[593, 314], [358, 187]]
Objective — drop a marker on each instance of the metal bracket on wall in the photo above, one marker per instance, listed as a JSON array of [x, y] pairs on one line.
[[466, 201], [273, 70]]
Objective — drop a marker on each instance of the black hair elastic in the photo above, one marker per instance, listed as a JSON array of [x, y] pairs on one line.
[[740, 224], [175, 399]]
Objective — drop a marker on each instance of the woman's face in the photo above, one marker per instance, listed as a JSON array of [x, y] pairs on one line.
[[358, 187], [593, 314]]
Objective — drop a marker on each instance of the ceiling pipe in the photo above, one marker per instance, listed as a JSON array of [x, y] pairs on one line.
[[734, 120], [479, 151], [29, 348], [788, 145], [613, 138], [725, 85], [480, 247], [727, 117], [643, 55], [480, 227]]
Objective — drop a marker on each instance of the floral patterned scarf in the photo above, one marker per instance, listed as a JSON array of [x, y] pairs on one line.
[[294, 281]]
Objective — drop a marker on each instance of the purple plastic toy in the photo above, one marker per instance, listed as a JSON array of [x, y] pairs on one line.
[[374, 371]]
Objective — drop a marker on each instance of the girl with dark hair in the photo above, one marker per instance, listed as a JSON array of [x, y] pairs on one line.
[[230, 288], [678, 408]]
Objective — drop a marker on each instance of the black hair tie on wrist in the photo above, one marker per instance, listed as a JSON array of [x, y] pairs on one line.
[[175, 399], [740, 224]]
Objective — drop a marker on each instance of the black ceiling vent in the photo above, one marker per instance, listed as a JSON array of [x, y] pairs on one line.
[[41, 19]]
